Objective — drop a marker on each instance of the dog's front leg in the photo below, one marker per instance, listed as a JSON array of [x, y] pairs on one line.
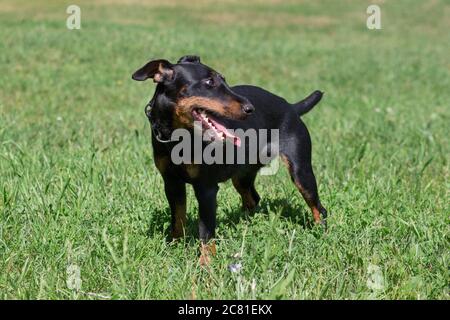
[[207, 201], [175, 190]]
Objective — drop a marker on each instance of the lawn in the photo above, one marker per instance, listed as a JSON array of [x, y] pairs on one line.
[[79, 192]]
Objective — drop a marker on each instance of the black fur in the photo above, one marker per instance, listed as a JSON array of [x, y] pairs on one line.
[[253, 107]]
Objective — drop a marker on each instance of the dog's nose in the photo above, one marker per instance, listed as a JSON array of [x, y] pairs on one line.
[[248, 108]]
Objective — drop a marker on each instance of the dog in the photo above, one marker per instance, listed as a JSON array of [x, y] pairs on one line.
[[188, 92]]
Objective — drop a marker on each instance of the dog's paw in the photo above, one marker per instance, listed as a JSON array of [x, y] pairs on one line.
[[207, 251]]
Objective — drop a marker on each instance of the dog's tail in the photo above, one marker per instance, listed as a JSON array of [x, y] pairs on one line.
[[308, 103]]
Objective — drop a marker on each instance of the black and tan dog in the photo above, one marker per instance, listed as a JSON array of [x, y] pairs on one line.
[[190, 91]]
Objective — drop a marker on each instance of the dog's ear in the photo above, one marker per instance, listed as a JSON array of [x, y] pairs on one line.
[[191, 59], [160, 70]]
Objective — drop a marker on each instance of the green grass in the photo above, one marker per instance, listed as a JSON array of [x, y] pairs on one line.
[[78, 185]]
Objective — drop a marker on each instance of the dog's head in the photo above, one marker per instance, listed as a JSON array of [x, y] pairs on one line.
[[190, 91]]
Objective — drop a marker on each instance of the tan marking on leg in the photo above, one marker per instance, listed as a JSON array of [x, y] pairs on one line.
[[248, 203], [287, 163], [247, 200], [316, 214], [315, 211], [206, 251], [180, 221], [192, 170]]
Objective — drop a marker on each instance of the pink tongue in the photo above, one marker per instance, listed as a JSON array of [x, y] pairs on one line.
[[228, 135]]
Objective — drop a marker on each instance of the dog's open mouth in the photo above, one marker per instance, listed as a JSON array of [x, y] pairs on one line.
[[211, 124]]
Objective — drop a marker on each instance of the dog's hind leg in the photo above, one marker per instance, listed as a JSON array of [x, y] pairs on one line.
[[245, 185], [296, 154], [303, 177]]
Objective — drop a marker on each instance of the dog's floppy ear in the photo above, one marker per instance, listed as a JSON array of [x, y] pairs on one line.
[[192, 59], [160, 70]]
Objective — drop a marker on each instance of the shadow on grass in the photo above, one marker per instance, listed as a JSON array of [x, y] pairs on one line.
[[280, 206], [232, 217], [161, 217]]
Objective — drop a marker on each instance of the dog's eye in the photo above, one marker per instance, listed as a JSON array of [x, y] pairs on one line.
[[209, 82]]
